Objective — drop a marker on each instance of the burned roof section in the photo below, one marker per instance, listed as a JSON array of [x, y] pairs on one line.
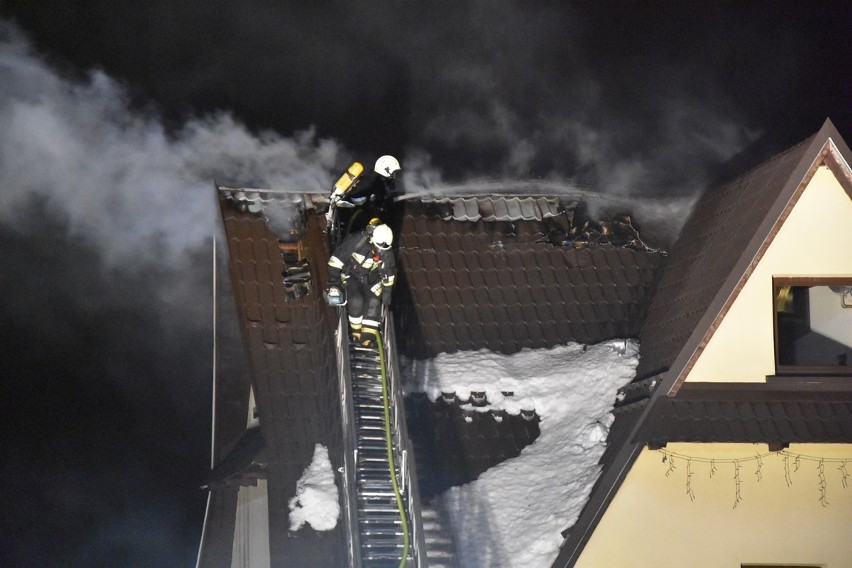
[[507, 273], [493, 208]]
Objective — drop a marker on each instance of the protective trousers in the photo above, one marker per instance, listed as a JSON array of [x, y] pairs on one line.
[[364, 307]]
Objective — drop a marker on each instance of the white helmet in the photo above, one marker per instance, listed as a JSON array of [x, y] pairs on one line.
[[386, 166], [382, 237]]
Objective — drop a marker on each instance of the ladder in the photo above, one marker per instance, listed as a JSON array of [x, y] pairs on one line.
[[382, 501], [380, 523]]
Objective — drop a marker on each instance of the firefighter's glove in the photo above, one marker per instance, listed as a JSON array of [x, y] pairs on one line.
[[386, 299]]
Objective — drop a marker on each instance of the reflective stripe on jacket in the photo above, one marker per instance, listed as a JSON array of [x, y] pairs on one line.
[[356, 258]]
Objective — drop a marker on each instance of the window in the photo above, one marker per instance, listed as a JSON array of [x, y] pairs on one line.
[[813, 325]]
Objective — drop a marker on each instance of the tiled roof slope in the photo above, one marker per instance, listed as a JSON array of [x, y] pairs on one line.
[[289, 343], [493, 208], [713, 241], [233, 377], [499, 285], [455, 444]]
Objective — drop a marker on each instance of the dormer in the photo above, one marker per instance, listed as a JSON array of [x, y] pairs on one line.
[[789, 314], [763, 266]]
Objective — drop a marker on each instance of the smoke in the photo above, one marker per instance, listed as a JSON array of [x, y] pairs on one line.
[[485, 89], [106, 220], [535, 92], [123, 183]]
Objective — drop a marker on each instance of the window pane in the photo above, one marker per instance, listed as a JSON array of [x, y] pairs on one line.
[[814, 325]]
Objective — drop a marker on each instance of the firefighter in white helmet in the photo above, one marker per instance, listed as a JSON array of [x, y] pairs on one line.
[[364, 266], [367, 195]]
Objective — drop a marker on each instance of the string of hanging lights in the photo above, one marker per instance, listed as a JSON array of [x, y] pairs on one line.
[[791, 462]]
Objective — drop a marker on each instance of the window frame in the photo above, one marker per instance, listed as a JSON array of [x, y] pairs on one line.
[[804, 370]]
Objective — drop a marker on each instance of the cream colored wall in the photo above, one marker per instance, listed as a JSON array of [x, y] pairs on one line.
[[652, 521], [816, 240]]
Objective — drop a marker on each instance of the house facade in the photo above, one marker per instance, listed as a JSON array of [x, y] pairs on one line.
[[729, 448], [737, 454]]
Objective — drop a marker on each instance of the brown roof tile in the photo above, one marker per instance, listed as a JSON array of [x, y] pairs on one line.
[[455, 445], [500, 266], [712, 242], [750, 419], [289, 344]]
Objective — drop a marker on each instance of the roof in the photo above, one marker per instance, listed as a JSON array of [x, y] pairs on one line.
[[773, 414], [726, 235], [287, 332], [464, 264], [455, 442], [494, 208], [468, 264], [712, 243]]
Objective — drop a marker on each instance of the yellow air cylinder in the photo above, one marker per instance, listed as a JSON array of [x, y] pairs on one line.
[[348, 178]]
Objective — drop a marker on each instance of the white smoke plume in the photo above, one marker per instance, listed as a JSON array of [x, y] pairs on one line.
[[120, 180], [125, 182]]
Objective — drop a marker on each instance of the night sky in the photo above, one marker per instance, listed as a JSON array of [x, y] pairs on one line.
[[116, 118]]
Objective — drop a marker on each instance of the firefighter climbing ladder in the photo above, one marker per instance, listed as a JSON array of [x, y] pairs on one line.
[[381, 488]]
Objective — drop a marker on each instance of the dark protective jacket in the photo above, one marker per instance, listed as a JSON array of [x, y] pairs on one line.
[[371, 197], [356, 258], [373, 186]]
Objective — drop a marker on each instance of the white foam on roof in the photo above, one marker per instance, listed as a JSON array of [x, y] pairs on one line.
[[316, 501], [513, 514]]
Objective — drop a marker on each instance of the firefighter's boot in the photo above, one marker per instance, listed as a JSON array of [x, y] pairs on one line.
[[369, 337], [355, 332]]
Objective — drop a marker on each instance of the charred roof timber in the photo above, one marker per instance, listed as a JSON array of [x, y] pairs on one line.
[[561, 221]]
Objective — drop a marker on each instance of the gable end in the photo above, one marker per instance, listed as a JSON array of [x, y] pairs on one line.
[[830, 156]]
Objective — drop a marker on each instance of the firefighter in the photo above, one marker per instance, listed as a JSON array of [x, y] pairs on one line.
[[364, 266], [368, 195]]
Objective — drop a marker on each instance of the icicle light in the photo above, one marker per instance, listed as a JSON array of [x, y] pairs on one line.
[[790, 462]]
